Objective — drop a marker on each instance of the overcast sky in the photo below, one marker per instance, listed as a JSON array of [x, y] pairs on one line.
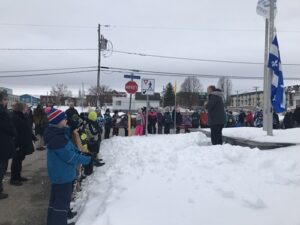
[[222, 30]]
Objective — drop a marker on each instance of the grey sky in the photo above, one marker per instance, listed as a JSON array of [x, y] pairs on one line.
[[225, 30]]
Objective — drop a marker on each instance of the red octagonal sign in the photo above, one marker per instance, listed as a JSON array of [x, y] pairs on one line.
[[131, 87]]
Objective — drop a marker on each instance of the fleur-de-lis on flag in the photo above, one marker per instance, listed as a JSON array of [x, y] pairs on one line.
[[275, 63]]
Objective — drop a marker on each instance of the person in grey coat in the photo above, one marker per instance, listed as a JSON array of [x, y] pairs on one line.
[[216, 114]]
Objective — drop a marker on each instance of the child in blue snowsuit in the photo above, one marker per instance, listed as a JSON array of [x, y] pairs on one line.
[[62, 159]]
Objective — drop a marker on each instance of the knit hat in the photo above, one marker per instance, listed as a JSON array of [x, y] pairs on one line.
[[75, 122], [92, 116], [55, 116]]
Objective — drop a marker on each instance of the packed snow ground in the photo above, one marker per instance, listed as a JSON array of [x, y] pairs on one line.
[[183, 180], [257, 134]]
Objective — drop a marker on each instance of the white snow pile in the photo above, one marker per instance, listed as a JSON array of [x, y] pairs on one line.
[[257, 134], [183, 180]]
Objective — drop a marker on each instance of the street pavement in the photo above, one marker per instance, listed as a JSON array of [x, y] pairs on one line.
[[27, 204]]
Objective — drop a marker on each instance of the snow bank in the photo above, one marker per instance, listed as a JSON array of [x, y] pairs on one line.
[[257, 134], [182, 180]]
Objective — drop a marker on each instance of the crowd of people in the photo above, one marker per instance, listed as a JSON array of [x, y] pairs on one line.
[[73, 140], [291, 119]]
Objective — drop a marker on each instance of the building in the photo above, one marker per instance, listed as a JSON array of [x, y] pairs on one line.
[[106, 99], [138, 101], [29, 99], [11, 97], [293, 96], [45, 99], [249, 100]]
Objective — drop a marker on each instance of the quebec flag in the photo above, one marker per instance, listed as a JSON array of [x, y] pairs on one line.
[[277, 93]]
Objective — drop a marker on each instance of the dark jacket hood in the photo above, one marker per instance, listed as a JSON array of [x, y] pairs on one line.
[[56, 137]]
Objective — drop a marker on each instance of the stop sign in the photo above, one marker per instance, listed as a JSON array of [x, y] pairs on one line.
[[131, 87]]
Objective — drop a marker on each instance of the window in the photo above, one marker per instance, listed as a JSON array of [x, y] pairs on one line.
[[118, 102]]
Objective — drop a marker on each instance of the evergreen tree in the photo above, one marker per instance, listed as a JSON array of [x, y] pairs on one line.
[[169, 96]]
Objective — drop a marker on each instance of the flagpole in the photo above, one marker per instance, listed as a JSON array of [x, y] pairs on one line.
[[175, 87], [265, 105], [270, 72]]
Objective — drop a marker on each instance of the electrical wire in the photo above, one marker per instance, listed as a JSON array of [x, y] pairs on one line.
[[115, 26], [145, 55], [142, 72], [46, 74], [54, 69], [172, 74]]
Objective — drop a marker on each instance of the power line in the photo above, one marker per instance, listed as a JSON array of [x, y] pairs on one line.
[[143, 72], [48, 49], [46, 25], [115, 26], [46, 74], [145, 55], [170, 74], [38, 70]]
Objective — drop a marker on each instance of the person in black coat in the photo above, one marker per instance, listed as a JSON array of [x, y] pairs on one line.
[[23, 142], [216, 114], [178, 119], [288, 120], [7, 135], [71, 111], [296, 116]]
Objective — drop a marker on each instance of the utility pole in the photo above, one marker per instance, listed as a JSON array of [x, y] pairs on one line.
[[256, 88], [99, 65], [237, 99]]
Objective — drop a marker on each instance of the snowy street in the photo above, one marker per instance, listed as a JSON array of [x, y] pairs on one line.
[[183, 180]]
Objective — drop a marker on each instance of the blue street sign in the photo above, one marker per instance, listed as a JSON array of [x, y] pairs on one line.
[[132, 77]]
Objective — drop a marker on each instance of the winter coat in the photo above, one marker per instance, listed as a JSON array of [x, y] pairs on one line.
[[76, 138], [242, 117], [40, 121], [195, 120], [115, 120], [140, 119], [124, 121], [249, 118], [288, 120], [187, 120], [70, 112], [276, 122], [178, 119], [215, 108], [92, 130], [230, 121], [23, 141], [167, 118], [160, 119], [152, 118], [62, 155], [297, 115], [108, 120], [203, 119], [7, 135]]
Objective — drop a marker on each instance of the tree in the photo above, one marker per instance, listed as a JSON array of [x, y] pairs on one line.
[[102, 89], [189, 92], [169, 96], [104, 93], [225, 84], [191, 84], [59, 91]]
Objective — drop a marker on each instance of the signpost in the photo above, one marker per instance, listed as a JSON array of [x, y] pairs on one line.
[[131, 87], [147, 88]]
